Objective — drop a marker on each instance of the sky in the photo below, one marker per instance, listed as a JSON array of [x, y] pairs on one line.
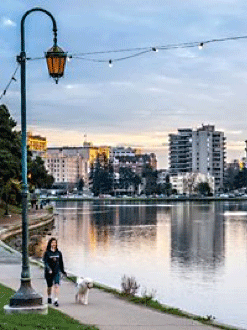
[[138, 101]]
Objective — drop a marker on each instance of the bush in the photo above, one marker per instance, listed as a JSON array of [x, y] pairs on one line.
[[129, 285]]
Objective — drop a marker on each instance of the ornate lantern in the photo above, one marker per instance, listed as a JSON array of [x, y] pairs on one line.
[[56, 59]]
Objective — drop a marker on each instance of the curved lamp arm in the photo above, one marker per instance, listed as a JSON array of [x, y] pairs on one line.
[[23, 22]]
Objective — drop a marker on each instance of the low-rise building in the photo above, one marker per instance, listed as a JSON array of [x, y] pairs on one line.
[[37, 144], [187, 183], [162, 176]]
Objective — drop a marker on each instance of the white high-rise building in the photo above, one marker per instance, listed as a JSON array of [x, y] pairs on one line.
[[198, 151]]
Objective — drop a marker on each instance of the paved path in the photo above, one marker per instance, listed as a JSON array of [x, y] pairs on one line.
[[105, 310]]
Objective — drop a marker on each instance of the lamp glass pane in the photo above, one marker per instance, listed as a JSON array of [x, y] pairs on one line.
[[56, 66]]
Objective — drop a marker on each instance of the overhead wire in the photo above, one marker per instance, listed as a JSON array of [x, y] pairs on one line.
[[142, 50], [9, 83], [138, 51]]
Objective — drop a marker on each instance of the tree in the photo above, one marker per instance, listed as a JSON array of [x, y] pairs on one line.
[[128, 178], [10, 160], [10, 147], [203, 188], [10, 151], [11, 190], [164, 188], [136, 181], [151, 180], [240, 180], [101, 175], [80, 184], [38, 175], [125, 177]]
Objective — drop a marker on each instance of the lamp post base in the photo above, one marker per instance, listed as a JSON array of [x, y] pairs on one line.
[[38, 309], [26, 300]]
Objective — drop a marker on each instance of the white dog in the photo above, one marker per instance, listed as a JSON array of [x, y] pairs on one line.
[[83, 285]]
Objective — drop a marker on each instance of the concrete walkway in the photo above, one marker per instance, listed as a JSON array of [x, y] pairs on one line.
[[105, 310]]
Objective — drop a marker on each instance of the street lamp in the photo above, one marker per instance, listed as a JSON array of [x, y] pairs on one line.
[[26, 299]]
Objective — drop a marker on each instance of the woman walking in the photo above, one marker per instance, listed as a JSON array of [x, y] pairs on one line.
[[53, 261]]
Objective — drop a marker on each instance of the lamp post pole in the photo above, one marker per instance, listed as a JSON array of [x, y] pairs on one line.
[[26, 298]]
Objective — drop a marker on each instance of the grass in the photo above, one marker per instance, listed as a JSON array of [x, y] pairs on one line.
[[13, 209], [53, 320], [57, 320], [148, 301]]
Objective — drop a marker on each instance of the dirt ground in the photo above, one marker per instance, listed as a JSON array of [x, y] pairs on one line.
[[15, 219]]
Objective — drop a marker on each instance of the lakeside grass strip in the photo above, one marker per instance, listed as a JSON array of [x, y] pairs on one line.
[[154, 304], [53, 320]]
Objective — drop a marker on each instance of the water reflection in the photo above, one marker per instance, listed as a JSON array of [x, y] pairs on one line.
[[197, 234], [123, 223], [194, 255], [92, 225]]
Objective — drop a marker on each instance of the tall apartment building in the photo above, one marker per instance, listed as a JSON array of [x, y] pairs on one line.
[[200, 151]]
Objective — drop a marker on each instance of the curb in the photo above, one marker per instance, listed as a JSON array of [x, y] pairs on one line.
[[17, 229]]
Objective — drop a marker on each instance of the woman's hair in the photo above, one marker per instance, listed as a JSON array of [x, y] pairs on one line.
[[49, 243]]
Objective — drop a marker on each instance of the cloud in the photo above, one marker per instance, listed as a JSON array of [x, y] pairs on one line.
[[122, 83], [7, 22], [234, 132]]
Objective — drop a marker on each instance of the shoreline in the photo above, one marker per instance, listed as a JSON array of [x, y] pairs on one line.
[[145, 302], [147, 199], [148, 303]]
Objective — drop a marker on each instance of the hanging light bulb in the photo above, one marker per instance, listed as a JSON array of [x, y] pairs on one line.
[[154, 49], [200, 46], [110, 64], [69, 58]]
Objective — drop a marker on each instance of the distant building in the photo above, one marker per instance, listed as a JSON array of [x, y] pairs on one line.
[[162, 176], [95, 152], [187, 183], [198, 151], [136, 163], [124, 151], [70, 164], [66, 166], [37, 144]]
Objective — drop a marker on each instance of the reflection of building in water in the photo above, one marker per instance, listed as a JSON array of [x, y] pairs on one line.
[[197, 233], [92, 226], [123, 221], [73, 224]]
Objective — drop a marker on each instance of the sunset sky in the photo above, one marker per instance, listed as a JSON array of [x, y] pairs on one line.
[[138, 101]]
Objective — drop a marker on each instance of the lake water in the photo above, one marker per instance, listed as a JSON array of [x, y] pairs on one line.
[[193, 254]]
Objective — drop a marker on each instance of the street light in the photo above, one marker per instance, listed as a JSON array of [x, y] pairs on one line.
[[56, 59], [26, 299]]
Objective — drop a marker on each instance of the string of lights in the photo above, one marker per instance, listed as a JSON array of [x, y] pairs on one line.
[[9, 83], [169, 46], [138, 51], [142, 50]]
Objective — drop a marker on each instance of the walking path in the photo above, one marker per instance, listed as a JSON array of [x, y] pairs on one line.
[[104, 310]]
